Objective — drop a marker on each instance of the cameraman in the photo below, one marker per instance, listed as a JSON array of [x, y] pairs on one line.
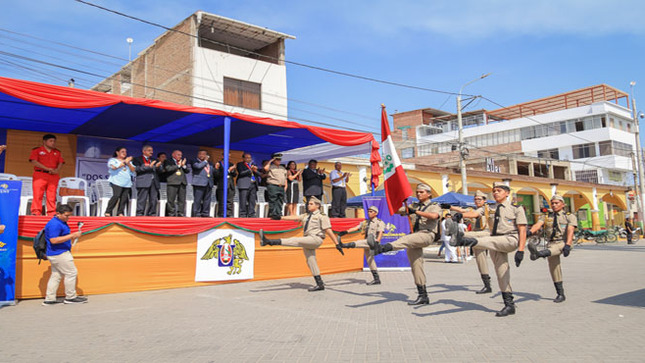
[[59, 245]]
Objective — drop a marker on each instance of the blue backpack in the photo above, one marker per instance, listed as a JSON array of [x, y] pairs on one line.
[[40, 246]]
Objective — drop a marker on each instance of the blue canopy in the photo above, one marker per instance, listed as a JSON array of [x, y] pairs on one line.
[[357, 201], [456, 199]]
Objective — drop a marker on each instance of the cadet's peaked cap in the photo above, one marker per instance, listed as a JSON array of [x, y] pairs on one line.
[[315, 200], [501, 185], [276, 155], [425, 187], [480, 194], [374, 208], [557, 197]]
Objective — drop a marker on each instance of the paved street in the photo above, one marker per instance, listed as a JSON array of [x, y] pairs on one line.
[[602, 320]]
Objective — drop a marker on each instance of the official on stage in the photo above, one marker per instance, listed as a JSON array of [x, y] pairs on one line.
[[202, 180], [248, 179], [146, 181], [312, 180], [338, 191], [225, 178], [175, 170], [47, 161], [276, 185]]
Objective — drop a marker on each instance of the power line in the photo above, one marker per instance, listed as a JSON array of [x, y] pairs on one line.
[[322, 69], [182, 80]]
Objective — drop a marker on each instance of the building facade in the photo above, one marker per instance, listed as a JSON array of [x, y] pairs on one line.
[[210, 61]]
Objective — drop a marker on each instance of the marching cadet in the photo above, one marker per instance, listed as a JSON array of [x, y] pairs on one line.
[[372, 228], [480, 229], [316, 226], [558, 230], [507, 234], [425, 216]]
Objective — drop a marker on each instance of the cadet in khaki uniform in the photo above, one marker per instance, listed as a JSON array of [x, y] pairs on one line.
[[480, 229], [372, 228], [316, 226], [425, 217], [508, 233], [558, 229], [276, 185]]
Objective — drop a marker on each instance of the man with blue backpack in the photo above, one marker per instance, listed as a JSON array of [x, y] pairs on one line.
[[59, 245]]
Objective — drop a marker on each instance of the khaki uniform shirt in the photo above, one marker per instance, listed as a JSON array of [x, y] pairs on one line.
[[317, 224], [375, 227], [510, 217], [481, 223], [563, 220], [425, 224], [277, 175]]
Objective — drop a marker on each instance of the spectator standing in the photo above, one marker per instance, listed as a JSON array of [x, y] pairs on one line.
[[629, 228], [59, 246], [121, 172], [47, 161], [161, 159], [225, 178], [292, 196], [276, 185], [203, 181], [312, 178], [248, 179], [175, 170], [147, 182], [338, 191]]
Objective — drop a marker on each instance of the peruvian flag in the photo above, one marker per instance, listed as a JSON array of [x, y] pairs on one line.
[[397, 188]]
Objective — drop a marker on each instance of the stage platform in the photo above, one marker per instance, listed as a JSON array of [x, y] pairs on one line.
[[123, 254]]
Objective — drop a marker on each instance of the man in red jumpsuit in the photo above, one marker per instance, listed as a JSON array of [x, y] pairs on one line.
[[47, 162]]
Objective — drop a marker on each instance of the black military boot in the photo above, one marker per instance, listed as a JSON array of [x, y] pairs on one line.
[[560, 290], [379, 248], [509, 306], [458, 240], [348, 245], [319, 284], [532, 250], [268, 242], [543, 253], [422, 299], [486, 289], [377, 280]]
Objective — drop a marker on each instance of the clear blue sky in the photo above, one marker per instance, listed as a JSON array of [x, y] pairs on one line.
[[533, 48]]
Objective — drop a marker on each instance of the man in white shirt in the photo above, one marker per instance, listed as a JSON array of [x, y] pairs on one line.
[[338, 191]]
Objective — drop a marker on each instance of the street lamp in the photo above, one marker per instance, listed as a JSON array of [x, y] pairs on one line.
[[460, 126], [129, 40], [639, 156]]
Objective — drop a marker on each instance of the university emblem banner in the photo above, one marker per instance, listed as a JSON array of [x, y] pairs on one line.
[[225, 254], [9, 204]]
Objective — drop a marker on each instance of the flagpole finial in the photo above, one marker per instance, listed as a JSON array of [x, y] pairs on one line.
[[382, 105]]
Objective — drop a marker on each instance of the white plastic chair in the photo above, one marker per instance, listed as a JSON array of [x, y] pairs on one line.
[[214, 204], [26, 194], [133, 202], [262, 205], [326, 204], [103, 192], [163, 199], [236, 204], [83, 201], [190, 200], [5, 176]]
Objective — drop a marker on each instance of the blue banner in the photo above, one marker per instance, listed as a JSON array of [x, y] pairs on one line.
[[9, 204], [396, 226]]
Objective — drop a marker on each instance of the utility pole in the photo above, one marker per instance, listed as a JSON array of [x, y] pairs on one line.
[[461, 148], [639, 158], [637, 194]]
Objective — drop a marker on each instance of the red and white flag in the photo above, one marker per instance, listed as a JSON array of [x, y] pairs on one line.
[[397, 187]]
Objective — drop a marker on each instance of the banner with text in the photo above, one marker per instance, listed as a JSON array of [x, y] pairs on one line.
[[225, 254], [396, 226], [9, 204]]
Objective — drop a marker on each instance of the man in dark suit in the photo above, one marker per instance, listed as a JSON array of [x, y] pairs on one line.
[[146, 182], [202, 171], [175, 169], [312, 178], [248, 178], [225, 177]]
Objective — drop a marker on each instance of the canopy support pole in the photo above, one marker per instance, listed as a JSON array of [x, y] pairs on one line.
[[225, 176]]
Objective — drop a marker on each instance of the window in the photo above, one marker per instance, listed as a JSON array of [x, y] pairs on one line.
[[242, 93], [615, 176], [589, 176], [549, 154], [407, 153], [610, 147], [580, 126], [584, 151]]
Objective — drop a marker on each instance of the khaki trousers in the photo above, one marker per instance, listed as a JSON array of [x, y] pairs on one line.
[[499, 247], [62, 265], [480, 255], [554, 260], [414, 243], [369, 254], [309, 245]]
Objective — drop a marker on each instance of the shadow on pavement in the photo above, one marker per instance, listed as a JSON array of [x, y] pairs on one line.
[[382, 296], [459, 306], [635, 298], [285, 286]]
